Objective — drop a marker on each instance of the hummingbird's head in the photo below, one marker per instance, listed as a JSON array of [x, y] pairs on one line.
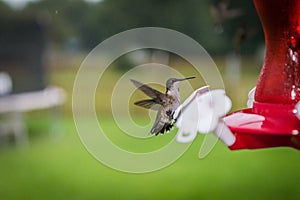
[[172, 82]]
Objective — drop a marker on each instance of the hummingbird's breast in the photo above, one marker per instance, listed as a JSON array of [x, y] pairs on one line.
[[173, 96], [172, 101]]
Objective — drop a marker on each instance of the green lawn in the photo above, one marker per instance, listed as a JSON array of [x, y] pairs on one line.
[[56, 165], [61, 168]]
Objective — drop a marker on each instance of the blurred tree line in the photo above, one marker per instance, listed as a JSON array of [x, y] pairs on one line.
[[81, 25]]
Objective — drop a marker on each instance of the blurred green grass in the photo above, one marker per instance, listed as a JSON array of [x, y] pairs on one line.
[[55, 165]]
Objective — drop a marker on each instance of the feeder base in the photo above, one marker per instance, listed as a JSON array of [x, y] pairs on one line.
[[264, 125]]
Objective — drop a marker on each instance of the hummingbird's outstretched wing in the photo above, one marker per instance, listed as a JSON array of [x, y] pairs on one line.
[[148, 103], [148, 90], [157, 97]]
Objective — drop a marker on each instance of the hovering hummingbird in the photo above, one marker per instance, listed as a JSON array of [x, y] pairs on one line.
[[167, 102], [221, 12]]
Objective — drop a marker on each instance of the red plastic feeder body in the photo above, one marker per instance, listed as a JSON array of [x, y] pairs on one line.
[[272, 121]]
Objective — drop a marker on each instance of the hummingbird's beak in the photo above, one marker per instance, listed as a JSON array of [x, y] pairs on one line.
[[183, 79]]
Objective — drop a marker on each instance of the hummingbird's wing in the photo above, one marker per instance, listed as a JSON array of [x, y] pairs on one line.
[[154, 94], [148, 103]]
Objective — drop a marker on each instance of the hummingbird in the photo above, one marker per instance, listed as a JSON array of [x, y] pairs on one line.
[[221, 12], [167, 102]]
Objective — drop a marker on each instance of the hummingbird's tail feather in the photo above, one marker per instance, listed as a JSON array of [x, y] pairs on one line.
[[162, 129], [158, 127], [148, 103], [148, 90]]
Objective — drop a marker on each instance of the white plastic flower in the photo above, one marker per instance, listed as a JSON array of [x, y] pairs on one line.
[[297, 110], [202, 112], [251, 98]]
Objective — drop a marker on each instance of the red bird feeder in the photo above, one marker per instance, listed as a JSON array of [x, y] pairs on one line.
[[272, 120]]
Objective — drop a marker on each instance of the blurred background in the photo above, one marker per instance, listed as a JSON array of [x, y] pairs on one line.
[[42, 45]]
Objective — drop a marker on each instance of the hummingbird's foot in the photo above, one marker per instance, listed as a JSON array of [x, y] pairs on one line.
[[169, 112]]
